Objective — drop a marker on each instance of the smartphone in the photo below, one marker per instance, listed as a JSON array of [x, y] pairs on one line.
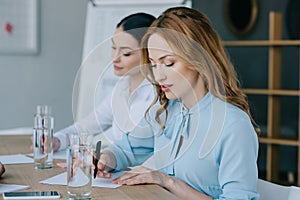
[[31, 195]]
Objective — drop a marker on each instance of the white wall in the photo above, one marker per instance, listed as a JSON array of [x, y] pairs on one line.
[[46, 78]]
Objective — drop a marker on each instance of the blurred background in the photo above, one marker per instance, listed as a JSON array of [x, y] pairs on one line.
[[47, 75]]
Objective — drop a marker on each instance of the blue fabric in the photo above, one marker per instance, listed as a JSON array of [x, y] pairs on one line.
[[212, 147], [134, 147], [228, 170]]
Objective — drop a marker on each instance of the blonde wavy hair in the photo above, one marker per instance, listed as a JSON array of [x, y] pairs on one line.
[[190, 34]]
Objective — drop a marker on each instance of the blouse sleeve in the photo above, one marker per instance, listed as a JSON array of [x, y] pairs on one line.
[[133, 148], [238, 162]]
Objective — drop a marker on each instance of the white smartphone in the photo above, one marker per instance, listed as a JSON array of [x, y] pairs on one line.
[[31, 195]]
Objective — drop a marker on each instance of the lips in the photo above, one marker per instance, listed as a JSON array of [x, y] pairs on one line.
[[165, 88], [117, 68]]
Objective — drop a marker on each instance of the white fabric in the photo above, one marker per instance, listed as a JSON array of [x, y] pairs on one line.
[[120, 111], [272, 191]]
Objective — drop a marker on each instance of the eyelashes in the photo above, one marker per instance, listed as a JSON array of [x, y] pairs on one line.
[[126, 54], [169, 65], [165, 65]]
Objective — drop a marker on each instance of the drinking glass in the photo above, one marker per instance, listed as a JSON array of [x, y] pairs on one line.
[[79, 170], [43, 138]]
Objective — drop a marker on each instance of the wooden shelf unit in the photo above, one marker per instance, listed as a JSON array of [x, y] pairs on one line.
[[274, 92], [263, 43]]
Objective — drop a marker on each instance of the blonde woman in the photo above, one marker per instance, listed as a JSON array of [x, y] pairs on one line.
[[207, 146]]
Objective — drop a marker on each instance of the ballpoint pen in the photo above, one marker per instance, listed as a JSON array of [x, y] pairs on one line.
[[98, 149]]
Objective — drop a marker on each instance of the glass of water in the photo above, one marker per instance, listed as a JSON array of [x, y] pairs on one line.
[[79, 169], [42, 138]]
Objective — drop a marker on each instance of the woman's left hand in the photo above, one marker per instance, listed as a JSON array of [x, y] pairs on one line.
[[141, 175]]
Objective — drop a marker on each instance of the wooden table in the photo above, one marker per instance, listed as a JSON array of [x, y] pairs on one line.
[[25, 174]]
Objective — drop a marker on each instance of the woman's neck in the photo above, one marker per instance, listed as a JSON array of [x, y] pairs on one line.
[[197, 92]]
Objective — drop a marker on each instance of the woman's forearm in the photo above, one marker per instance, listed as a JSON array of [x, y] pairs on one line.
[[181, 189]]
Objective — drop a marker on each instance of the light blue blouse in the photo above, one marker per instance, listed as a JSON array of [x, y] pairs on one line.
[[212, 147]]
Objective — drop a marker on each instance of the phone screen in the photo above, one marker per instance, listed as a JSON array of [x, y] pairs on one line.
[[31, 195]]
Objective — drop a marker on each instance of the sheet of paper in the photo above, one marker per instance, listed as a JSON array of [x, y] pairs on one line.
[[56, 155], [103, 182], [11, 187], [61, 179], [79, 179], [15, 159]]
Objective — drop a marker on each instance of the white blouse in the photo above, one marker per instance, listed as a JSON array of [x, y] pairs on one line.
[[120, 111]]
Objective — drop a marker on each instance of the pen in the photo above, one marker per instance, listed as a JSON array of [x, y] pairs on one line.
[[98, 148]]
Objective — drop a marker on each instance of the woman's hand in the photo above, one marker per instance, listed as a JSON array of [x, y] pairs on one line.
[[142, 175], [55, 145], [106, 163]]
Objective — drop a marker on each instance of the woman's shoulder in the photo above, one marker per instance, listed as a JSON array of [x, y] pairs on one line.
[[230, 111], [231, 114], [234, 113]]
